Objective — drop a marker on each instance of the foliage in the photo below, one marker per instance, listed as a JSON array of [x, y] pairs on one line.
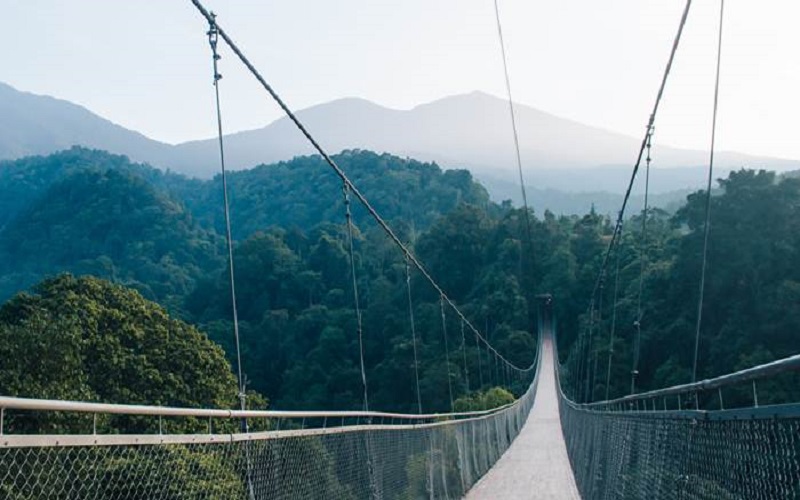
[[750, 307], [305, 192], [93, 213], [483, 400], [87, 339], [110, 224]]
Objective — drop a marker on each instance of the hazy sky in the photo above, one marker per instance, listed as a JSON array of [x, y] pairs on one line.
[[146, 64]]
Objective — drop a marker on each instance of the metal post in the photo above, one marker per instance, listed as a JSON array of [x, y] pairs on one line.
[[755, 395]]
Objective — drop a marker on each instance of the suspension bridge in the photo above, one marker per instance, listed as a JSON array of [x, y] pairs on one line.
[[556, 440]]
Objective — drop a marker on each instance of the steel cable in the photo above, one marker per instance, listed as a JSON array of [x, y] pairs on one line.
[[707, 227]]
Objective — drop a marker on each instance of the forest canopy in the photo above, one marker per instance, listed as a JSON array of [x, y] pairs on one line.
[[91, 213]]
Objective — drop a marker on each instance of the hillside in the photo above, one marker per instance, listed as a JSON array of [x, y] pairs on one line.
[[92, 212], [108, 223], [304, 192]]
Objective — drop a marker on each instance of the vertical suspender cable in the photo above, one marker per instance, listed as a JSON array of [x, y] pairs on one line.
[[213, 35], [359, 326], [213, 39], [599, 331], [512, 114], [587, 360], [642, 265], [707, 227], [480, 362], [413, 334], [464, 352], [613, 329], [446, 352], [513, 118]]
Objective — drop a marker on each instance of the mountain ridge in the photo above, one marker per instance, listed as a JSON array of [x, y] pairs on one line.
[[461, 131]]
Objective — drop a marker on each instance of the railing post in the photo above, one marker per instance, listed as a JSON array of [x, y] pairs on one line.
[[755, 395]]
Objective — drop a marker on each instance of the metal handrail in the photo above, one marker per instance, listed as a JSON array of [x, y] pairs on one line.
[[791, 363], [30, 404]]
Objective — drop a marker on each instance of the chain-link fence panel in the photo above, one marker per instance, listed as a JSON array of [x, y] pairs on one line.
[[431, 460], [752, 454]]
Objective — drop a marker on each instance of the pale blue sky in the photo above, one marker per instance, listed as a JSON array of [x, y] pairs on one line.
[[145, 64]]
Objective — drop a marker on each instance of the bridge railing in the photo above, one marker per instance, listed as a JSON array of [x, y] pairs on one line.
[[187, 453], [662, 444], [686, 395]]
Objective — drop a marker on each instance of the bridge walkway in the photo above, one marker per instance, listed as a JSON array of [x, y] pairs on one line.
[[536, 465]]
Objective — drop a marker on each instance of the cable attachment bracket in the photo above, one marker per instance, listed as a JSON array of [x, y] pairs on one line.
[[213, 40]]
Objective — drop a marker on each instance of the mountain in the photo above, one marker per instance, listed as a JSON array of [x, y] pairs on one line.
[[471, 131], [464, 131], [34, 125]]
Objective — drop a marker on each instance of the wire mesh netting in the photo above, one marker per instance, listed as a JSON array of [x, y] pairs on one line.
[[437, 460], [683, 455]]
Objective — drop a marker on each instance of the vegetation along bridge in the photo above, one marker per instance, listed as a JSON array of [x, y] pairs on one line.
[[562, 435]]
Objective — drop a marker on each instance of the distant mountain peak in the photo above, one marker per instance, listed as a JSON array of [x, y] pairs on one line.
[[469, 130]]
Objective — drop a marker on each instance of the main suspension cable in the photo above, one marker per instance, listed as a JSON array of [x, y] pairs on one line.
[[621, 214], [353, 189], [650, 124], [707, 227]]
